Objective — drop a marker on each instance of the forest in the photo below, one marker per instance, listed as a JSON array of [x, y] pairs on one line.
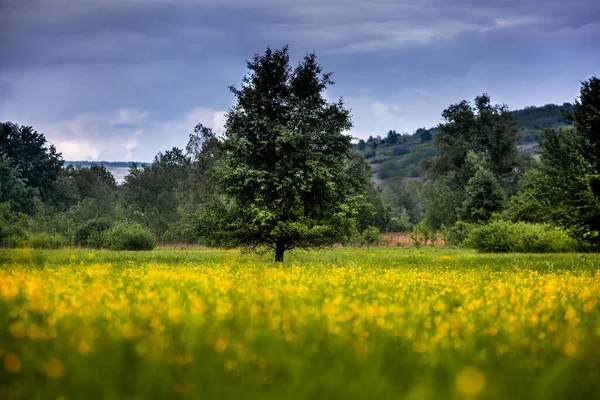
[[284, 176]]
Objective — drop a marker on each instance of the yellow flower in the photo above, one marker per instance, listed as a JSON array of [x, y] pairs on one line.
[[83, 348], [54, 369], [220, 345], [12, 363], [569, 349], [17, 329], [470, 381]]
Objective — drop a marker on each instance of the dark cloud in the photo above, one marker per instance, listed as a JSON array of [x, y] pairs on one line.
[[72, 65], [68, 31]]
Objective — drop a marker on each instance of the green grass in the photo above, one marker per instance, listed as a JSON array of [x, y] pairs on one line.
[[356, 323]]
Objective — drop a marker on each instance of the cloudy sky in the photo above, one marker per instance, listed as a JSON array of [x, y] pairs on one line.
[[124, 79]]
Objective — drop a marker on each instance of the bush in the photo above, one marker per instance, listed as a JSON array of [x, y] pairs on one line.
[[90, 233], [458, 233], [14, 242], [421, 235], [46, 241], [371, 235], [502, 236], [13, 227], [128, 236]]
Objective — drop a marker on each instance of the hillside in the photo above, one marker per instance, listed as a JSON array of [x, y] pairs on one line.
[[399, 155]]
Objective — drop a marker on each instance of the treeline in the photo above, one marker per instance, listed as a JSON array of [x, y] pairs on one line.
[[285, 176], [46, 204]]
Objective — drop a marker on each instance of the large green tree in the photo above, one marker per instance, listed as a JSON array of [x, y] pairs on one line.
[[287, 172], [38, 164]]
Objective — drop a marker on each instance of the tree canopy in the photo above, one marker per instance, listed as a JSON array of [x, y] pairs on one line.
[[566, 183], [286, 168], [26, 149], [477, 162]]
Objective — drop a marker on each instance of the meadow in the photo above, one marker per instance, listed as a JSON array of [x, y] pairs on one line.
[[351, 323]]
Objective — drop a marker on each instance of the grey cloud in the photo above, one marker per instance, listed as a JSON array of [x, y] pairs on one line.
[[69, 31], [78, 69]]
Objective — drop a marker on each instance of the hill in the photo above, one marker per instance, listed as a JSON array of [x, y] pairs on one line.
[[399, 155]]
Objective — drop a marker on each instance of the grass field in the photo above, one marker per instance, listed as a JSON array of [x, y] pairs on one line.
[[428, 323]]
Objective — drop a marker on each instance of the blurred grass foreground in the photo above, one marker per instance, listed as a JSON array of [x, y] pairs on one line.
[[393, 323]]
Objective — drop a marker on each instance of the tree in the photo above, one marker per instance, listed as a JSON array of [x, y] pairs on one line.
[[483, 197], [392, 137], [151, 195], [424, 134], [26, 148], [374, 212], [13, 189], [285, 172], [490, 130], [479, 128], [362, 145], [567, 183]]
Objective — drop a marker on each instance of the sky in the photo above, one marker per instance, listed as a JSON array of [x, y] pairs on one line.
[[121, 80]]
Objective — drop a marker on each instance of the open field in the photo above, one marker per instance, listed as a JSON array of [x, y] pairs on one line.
[[428, 323]]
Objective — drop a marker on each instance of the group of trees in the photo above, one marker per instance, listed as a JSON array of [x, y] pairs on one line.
[[479, 175], [285, 174]]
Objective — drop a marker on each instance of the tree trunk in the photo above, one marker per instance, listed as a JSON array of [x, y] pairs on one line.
[[279, 250]]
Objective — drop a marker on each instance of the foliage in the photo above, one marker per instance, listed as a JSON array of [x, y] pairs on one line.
[[26, 149], [128, 235], [458, 233], [441, 203], [549, 115], [528, 205], [285, 173], [216, 324], [422, 234], [89, 233], [373, 212], [566, 185], [400, 224], [46, 241], [151, 196], [93, 182], [371, 236], [13, 227], [408, 151], [484, 196], [502, 236], [13, 189]]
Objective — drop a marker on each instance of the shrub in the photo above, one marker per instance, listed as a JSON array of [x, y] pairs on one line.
[[502, 236], [371, 235], [128, 236], [13, 227], [14, 242], [458, 233], [46, 241], [89, 234], [421, 234]]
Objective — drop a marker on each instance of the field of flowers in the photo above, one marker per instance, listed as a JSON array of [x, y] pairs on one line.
[[394, 323]]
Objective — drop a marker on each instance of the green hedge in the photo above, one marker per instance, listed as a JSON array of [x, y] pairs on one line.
[[128, 236], [502, 236], [46, 241]]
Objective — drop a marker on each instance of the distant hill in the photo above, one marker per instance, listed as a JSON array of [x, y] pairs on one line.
[[399, 155], [119, 169]]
